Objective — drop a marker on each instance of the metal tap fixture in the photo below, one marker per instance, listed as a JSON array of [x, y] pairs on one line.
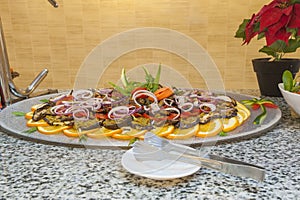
[[53, 3], [7, 86]]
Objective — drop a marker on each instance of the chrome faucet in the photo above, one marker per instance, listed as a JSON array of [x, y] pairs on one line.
[[53, 3], [7, 86]]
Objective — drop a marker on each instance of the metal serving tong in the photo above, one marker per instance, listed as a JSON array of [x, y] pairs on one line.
[[156, 148]]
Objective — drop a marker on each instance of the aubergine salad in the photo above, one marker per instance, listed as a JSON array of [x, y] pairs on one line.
[[129, 111]]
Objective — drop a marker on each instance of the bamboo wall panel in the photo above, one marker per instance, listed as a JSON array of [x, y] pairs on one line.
[[39, 36]]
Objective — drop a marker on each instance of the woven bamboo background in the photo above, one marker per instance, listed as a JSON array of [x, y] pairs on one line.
[[39, 36]]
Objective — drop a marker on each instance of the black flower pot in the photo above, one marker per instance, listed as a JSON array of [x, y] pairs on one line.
[[269, 73]]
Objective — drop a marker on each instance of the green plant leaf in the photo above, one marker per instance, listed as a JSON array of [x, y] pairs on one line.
[[293, 46], [240, 33], [287, 79], [269, 51]]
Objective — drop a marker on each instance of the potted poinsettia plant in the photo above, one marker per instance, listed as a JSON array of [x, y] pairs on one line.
[[279, 24]]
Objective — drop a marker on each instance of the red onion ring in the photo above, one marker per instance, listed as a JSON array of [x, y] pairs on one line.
[[174, 109], [142, 93], [211, 106], [186, 107]]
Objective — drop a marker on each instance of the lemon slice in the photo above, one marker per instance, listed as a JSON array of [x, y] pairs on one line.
[[210, 129], [31, 123], [103, 132], [128, 133], [240, 106], [240, 118], [164, 130], [230, 124], [183, 133], [49, 130]]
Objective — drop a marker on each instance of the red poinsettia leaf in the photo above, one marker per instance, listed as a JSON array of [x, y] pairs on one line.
[[282, 34], [281, 23], [288, 10], [294, 22], [267, 7], [297, 9], [270, 17]]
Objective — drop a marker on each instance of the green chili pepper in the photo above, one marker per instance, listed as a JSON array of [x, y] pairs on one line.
[[260, 118]]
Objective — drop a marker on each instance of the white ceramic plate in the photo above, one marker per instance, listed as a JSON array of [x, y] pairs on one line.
[[158, 170], [17, 126]]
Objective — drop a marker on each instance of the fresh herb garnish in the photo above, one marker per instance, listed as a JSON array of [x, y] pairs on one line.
[[132, 141], [82, 137], [128, 86], [44, 100], [19, 114], [222, 133], [32, 130]]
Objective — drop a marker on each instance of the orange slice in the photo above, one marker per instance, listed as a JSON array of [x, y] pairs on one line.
[[73, 132], [49, 130], [183, 133], [129, 133], [230, 124], [103, 132], [164, 130], [29, 115], [210, 129], [31, 123], [34, 107]]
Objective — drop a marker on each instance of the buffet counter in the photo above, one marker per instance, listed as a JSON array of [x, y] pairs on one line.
[[38, 171]]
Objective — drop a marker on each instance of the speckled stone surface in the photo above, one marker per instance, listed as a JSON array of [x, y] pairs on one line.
[[37, 171]]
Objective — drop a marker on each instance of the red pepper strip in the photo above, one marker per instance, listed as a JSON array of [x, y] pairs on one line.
[[101, 116], [270, 105], [255, 106], [155, 118]]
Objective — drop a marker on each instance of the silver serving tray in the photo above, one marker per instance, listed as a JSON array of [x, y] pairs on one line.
[[17, 125]]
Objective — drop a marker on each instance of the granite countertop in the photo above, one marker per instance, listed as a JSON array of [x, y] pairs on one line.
[[37, 171]]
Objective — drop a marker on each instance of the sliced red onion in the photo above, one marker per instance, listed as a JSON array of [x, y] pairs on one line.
[[118, 112], [92, 103], [56, 99], [85, 114], [140, 93], [82, 94], [186, 107], [58, 110], [154, 107], [105, 91], [147, 108], [132, 110], [168, 101], [174, 109], [211, 106], [180, 100], [224, 98]]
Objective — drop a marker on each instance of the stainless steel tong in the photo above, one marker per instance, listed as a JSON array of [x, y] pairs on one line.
[[156, 148]]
